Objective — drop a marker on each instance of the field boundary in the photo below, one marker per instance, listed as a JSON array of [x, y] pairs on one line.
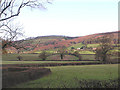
[[55, 64], [54, 60], [15, 75]]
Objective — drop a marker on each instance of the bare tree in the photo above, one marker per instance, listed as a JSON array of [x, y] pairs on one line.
[[12, 8], [9, 33], [104, 48]]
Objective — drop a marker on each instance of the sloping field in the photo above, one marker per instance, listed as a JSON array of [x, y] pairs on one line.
[[77, 77]]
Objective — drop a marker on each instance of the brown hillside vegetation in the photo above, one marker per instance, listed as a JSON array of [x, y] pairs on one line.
[[55, 42]]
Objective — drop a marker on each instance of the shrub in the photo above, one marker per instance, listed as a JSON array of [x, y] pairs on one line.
[[19, 58], [72, 48], [43, 55]]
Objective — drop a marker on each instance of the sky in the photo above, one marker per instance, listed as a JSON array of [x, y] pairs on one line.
[[71, 18]]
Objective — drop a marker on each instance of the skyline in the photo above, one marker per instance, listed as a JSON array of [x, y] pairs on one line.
[[71, 18]]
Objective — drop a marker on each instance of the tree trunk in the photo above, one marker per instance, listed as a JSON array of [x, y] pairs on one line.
[[61, 56]]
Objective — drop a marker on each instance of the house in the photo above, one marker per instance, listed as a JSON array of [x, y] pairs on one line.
[[83, 47], [78, 48], [94, 48]]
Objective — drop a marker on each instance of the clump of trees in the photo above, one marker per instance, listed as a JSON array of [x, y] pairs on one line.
[[105, 46], [43, 55]]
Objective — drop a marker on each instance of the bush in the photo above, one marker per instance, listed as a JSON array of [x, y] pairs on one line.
[[43, 55], [19, 58], [72, 48]]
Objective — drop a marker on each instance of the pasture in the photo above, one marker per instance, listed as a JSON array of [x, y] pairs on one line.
[[76, 77], [30, 57], [43, 62]]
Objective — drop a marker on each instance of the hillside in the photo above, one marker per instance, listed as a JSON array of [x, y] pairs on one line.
[[54, 42], [44, 42]]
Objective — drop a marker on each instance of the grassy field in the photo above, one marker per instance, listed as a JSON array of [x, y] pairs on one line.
[[50, 51], [66, 57], [8, 57], [76, 76], [41, 62], [86, 52], [92, 45], [29, 57], [78, 45]]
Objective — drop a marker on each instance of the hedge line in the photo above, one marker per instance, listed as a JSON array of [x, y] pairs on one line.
[[54, 64], [18, 75]]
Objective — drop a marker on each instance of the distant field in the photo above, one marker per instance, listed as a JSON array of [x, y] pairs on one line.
[[66, 57], [29, 57], [86, 52], [8, 57], [78, 45], [77, 77], [50, 51], [92, 45]]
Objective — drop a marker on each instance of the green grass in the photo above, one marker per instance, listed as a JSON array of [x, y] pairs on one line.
[[92, 45], [11, 58], [8, 57], [50, 51], [78, 45], [30, 57], [115, 50], [41, 62], [88, 57], [86, 52], [70, 76], [66, 57]]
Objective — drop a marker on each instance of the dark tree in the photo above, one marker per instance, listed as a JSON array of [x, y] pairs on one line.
[[104, 48], [62, 51], [43, 55]]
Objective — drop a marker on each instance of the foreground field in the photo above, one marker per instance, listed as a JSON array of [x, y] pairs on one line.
[[77, 76]]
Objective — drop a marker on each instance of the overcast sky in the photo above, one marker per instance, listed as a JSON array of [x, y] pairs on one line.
[[71, 18]]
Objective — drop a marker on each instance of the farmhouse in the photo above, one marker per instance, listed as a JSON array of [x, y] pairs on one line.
[[78, 48], [94, 48]]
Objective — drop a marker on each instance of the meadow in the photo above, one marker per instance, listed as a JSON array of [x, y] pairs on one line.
[[70, 76], [43, 62], [30, 57], [77, 77], [34, 59]]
